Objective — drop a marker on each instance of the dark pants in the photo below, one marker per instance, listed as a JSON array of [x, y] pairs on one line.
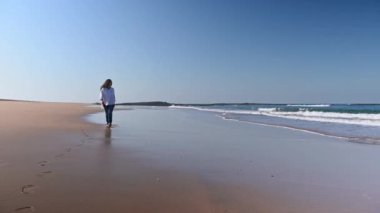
[[109, 110]]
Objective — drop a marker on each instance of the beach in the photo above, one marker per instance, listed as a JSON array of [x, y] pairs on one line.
[[54, 161], [57, 157]]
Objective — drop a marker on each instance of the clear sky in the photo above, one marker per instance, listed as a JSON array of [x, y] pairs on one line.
[[191, 51]]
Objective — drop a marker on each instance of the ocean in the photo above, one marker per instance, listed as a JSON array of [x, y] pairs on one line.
[[351, 122]]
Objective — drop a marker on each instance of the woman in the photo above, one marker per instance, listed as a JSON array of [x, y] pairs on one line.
[[107, 97]]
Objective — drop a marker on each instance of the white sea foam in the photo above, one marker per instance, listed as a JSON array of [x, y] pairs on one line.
[[305, 115], [331, 117], [308, 105], [217, 110], [198, 108], [267, 109]]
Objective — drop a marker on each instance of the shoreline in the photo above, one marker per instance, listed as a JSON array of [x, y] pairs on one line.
[[344, 139]]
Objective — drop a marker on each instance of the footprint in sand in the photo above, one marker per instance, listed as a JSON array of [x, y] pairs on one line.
[[25, 209], [27, 189], [68, 150], [85, 133], [44, 173], [42, 163]]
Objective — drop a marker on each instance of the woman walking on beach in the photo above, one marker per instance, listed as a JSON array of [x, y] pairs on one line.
[[107, 97]]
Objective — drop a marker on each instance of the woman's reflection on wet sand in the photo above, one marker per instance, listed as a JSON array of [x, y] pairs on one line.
[[107, 135]]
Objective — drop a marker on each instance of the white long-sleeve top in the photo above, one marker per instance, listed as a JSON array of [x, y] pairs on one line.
[[107, 96]]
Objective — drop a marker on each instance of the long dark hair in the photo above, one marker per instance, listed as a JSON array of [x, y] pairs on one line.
[[107, 84]]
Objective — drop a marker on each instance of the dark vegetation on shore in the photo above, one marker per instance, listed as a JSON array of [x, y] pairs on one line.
[[150, 103], [163, 103], [15, 100]]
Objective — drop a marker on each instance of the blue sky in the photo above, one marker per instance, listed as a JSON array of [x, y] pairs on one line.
[[191, 51]]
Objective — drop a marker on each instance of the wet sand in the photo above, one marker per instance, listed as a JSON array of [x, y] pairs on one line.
[[253, 168], [51, 160]]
